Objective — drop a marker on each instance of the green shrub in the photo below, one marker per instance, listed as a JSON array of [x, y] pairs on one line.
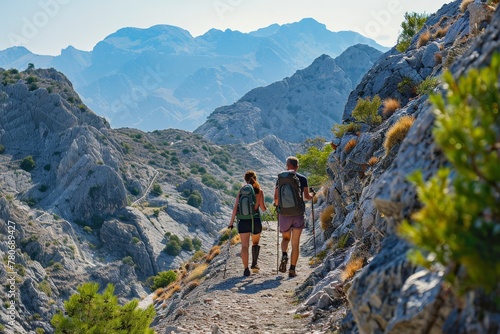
[[212, 182], [194, 199], [458, 226], [163, 279], [187, 244], [28, 164], [340, 129], [428, 85], [156, 191], [314, 162], [90, 312], [2, 149], [173, 248], [197, 244], [410, 27], [366, 111]]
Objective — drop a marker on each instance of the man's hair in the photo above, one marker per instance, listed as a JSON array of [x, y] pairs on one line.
[[293, 161]]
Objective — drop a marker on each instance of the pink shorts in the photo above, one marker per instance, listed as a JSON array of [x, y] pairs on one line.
[[288, 222]]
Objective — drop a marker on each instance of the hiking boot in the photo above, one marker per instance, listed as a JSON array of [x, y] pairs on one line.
[[284, 261], [246, 272], [255, 256], [292, 273]]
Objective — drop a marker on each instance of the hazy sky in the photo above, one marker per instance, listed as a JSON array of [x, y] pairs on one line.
[[47, 26]]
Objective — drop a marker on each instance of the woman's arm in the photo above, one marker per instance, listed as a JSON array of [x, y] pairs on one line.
[[260, 201], [235, 208]]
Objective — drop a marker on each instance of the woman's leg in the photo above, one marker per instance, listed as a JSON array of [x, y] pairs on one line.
[[245, 240]]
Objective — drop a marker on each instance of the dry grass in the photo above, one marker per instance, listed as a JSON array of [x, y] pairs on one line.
[[397, 132], [236, 239], [351, 268], [196, 273], [373, 161], [390, 105], [438, 58], [192, 285], [424, 38], [441, 32], [213, 253], [170, 291], [326, 216], [350, 145], [465, 4]]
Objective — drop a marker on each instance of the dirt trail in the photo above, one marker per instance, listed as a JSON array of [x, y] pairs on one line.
[[264, 302]]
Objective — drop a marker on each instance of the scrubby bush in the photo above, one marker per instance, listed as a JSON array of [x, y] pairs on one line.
[[389, 106], [314, 162], [340, 129], [156, 191], [28, 164], [173, 247], [196, 244], [397, 132], [326, 217], [163, 279], [458, 226], [195, 199], [350, 145], [428, 85], [187, 244], [366, 111], [411, 25]]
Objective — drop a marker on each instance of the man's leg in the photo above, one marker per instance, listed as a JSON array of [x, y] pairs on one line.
[[294, 257], [284, 247]]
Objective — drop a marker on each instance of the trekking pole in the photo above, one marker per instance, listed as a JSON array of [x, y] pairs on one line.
[[314, 229], [277, 243], [228, 248]]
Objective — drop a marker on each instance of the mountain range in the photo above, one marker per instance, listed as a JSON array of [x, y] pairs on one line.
[[162, 77]]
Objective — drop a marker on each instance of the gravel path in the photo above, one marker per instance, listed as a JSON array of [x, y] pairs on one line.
[[264, 302]]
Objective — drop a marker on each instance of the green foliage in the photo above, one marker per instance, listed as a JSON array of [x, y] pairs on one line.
[[173, 247], [366, 111], [458, 226], [163, 279], [410, 27], [90, 312], [194, 199], [2, 149], [428, 85], [28, 164], [340, 129], [212, 182], [197, 244], [313, 162], [187, 244], [156, 191]]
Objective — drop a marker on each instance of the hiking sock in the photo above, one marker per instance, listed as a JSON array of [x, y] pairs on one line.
[[255, 256], [284, 254], [292, 267]]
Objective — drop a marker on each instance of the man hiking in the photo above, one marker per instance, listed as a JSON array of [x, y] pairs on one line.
[[289, 195]]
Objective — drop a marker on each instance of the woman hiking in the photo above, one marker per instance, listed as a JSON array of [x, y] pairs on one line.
[[251, 222]]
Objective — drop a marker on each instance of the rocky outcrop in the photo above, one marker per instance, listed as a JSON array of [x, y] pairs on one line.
[[308, 102], [391, 294]]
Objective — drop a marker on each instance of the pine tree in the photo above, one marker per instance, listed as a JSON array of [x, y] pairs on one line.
[[90, 312]]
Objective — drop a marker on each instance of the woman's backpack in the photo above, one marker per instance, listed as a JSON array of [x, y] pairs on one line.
[[246, 202]]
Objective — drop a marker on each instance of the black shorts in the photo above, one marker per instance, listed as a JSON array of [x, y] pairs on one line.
[[245, 225]]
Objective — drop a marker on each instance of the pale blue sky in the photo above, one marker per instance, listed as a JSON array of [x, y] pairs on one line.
[[47, 26]]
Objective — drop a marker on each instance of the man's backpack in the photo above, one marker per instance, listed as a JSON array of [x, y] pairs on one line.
[[246, 202], [290, 201]]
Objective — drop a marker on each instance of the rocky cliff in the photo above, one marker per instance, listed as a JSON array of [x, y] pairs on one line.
[[309, 102]]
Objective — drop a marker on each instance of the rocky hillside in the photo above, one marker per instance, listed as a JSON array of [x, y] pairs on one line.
[[90, 203], [162, 77], [365, 282], [309, 102]]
